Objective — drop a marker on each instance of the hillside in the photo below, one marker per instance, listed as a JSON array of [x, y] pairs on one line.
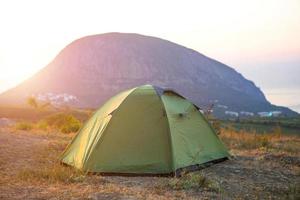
[[90, 70]]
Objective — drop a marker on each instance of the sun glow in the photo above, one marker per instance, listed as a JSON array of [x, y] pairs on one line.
[[239, 33]]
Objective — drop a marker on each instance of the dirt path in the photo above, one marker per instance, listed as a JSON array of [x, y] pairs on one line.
[[250, 175], [17, 148]]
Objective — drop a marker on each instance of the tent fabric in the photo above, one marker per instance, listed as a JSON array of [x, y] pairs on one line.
[[141, 131]]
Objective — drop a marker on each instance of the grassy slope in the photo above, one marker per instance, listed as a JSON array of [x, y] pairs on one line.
[[30, 114], [263, 128], [289, 126]]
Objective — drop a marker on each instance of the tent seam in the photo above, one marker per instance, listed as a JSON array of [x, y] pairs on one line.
[[170, 138]]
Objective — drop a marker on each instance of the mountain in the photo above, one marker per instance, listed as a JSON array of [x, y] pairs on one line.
[[90, 70]]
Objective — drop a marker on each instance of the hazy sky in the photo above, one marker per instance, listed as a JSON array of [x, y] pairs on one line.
[[259, 38]]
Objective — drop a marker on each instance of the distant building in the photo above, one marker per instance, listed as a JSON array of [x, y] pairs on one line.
[[231, 113], [270, 114], [56, 99], [245, 113], [264, 114], [276, 113]]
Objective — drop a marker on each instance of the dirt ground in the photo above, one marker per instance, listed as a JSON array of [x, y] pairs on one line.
[[251, 174]]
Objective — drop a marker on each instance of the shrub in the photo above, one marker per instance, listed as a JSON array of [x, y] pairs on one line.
[[66, 123], [191, 181], [25, 126], [72, 126], [263, 141], [42, 125]]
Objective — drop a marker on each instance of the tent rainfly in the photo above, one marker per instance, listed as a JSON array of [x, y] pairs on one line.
[[145, 130]]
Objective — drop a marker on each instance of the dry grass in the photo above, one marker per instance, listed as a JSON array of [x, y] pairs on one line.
[[194, 180], [56, 173], [47, 167], [296, 170], [31, 168], [24, 126], [243, 140]]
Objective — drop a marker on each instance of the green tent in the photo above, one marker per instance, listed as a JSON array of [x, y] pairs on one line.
[[144, 130]]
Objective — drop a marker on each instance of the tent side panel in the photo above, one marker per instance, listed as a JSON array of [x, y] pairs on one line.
[[78, 150], [193, 140], [136, 139]]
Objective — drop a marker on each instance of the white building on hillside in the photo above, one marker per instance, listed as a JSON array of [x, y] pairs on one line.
[[245, 113], [264, 114], [231, 113], [270, 114]]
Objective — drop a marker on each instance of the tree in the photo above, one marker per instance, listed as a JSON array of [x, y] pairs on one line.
[[32, 102]]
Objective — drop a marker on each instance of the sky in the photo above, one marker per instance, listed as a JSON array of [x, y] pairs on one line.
[[258, 38]]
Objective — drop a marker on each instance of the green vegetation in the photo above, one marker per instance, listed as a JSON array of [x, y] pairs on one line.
[[42, 125], [194, 180], [65, 123], [24, 126], [33, 102], [289, 122], [289, 126]]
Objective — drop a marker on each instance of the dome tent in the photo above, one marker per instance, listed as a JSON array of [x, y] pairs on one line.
[[144, 130]]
